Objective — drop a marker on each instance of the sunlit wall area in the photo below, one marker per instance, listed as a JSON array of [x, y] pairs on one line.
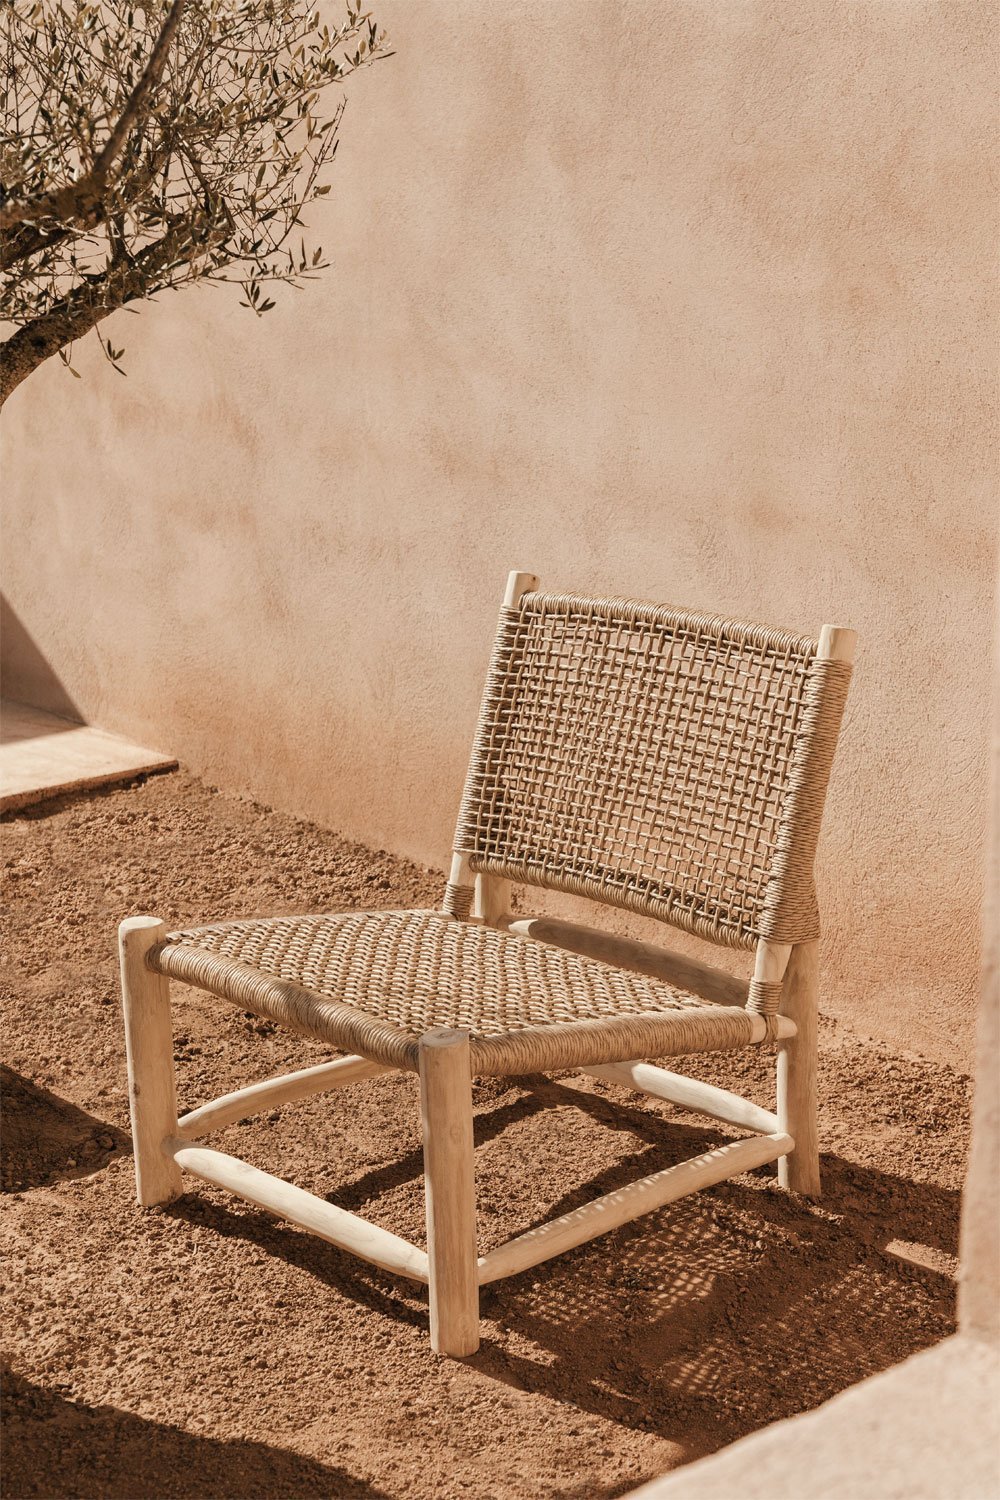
[[688, 302]]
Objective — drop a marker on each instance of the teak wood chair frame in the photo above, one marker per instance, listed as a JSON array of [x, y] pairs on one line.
[[667, 762]]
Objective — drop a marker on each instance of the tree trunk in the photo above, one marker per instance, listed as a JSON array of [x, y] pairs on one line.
[[37, 341], [84, 307]]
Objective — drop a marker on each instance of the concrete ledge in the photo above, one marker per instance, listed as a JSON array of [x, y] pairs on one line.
[[42, 756], [929, 1429]]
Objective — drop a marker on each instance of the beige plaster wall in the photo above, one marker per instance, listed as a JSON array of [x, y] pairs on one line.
[[684, 300]]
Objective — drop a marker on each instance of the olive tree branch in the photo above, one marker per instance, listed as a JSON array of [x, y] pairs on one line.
[[80, 201]]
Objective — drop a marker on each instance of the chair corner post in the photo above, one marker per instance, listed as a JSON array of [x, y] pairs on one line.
[[837, 643], [518, 583], [491, 903], [797, 1072], [449, 1176], [149, 1050]]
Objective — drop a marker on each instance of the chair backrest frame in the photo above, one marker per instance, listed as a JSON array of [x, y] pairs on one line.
[[668, 762]]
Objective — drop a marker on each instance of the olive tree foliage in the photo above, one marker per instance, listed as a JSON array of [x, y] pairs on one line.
[[146, 147]]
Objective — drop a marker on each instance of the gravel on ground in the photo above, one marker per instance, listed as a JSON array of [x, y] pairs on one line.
[[207, 1350]]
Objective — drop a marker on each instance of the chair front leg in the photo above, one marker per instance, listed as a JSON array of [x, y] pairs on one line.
[[149, 1047], [449, 1176], [797, 1070]]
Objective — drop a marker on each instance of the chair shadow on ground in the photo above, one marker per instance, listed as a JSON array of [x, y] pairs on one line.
[[59, 1447], [713, 1316], [46, 1139]]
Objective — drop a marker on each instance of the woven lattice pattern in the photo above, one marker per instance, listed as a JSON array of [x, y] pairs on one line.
[[668, 762], [388, 977]]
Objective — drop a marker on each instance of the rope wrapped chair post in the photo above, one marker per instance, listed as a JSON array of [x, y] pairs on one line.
[[670, 763]]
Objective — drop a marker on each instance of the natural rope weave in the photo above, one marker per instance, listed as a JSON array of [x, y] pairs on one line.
[[764, 997], [660, 760], [375, 982]]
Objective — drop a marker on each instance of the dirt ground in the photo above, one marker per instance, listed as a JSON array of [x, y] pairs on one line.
[[206, 1350]]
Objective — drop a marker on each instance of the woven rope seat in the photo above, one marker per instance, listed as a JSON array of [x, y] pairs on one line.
[[375, 982]]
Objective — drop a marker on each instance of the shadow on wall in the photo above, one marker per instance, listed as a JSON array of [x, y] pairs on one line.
[[26, 675], [56, 1446]]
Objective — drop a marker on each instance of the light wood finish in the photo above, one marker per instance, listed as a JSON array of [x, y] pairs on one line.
[[518, 584], [837, 643], [782, 1026], [638, 957], [690, 1093], [345, 1230], [149, 1051], [615, 1209], [274, 1091], [491, 903], [449, 1176], [797, 1067], [770, 961]]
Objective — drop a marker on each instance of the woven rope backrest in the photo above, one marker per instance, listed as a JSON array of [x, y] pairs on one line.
[[671, 763]]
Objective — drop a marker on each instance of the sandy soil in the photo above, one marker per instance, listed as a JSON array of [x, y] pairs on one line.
[[206, 1350]]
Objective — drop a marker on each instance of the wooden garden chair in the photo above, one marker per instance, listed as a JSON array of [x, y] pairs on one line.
[[671, 763]]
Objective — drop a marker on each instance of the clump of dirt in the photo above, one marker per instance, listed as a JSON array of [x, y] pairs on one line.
[[206, 1350]]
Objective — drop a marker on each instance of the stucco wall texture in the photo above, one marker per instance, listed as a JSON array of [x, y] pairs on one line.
[[689, 301]]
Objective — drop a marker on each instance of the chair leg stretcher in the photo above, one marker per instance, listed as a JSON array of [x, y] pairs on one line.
[[390, 1252]]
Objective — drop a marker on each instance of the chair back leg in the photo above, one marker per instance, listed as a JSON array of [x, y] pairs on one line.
[[797, 1065], [449, 1176], [149, 1048]]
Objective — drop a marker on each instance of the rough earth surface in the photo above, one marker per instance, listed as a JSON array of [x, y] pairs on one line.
[[206, 1350]]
